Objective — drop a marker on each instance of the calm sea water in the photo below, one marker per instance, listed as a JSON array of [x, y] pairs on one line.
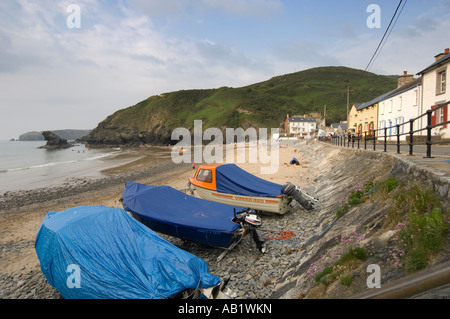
[[23, 165]]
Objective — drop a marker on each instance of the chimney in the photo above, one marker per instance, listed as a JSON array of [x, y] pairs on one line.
[[405, 78], [441, 55]]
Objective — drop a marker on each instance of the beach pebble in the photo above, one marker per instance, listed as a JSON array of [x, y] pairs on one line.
[[251, 274]]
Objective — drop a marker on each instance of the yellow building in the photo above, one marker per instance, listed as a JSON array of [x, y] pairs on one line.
[[353, 118], [363, 117]]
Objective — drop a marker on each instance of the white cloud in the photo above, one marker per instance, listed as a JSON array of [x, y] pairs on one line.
[[116, 59]]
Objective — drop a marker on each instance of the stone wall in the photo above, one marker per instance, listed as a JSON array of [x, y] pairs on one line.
[[337, 170]]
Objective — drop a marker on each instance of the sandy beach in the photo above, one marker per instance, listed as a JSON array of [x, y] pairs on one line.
[[21, 213]]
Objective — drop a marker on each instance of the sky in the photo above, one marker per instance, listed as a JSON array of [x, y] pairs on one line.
[[70, 64]]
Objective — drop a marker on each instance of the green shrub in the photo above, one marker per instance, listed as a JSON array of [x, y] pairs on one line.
[[346, 280], [388, 185], [415, 200], [424, 235], [319, 277], [353, 253]]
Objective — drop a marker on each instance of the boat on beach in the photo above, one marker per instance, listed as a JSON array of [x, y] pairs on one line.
[[97, 252], [172, 212], [231, 185]]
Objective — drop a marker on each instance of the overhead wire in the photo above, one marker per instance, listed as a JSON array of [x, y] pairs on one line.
[[386, 33], [390, 31]]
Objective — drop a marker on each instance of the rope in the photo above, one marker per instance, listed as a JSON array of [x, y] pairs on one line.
[[301, 241], [278, 235]]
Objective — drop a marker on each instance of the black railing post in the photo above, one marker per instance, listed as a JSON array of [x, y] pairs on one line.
[[374, 141], [365, 140], [385, 139], [398, 138], [411, 133], [429, 112]]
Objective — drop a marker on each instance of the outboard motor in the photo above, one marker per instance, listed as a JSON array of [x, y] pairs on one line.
[[301, 197], [248, 219]]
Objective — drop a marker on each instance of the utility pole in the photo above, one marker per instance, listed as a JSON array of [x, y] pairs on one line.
[[348, 104]]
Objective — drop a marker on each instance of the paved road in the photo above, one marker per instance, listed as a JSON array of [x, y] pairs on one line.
[[418, 150]]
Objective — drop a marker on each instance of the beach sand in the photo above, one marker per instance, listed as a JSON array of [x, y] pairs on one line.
[[21, 214]]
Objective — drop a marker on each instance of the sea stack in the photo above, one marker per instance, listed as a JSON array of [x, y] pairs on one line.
[[54, 141]]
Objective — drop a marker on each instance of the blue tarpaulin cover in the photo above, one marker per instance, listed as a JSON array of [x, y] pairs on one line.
[[96, 252], [176, 213], [232, 179]]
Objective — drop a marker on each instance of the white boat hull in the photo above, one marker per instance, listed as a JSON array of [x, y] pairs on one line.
[[277, 205]]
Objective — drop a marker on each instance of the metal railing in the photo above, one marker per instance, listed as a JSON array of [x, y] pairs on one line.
[[373, 136]]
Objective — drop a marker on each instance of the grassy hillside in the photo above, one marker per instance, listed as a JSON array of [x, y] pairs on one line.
[[263, 104]]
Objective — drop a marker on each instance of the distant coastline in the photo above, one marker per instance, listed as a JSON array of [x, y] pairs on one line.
[[68, 134]]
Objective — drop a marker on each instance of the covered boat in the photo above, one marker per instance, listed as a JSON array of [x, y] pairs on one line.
[[229, 184], [172, 212], [96, 252]]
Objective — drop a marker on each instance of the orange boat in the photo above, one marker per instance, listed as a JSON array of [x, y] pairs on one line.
[[229, 184]]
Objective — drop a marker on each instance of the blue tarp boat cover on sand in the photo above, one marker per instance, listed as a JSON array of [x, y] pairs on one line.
[[232, 179], [174, 210], [96, 252]]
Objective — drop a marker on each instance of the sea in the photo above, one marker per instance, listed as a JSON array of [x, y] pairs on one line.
[[25, 166]]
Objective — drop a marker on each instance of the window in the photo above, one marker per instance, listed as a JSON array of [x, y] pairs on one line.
[[204, 175], [391, 103], [440, 116], [416, 97], [441, 81], [371, 129], [401, 121], [400, 103]]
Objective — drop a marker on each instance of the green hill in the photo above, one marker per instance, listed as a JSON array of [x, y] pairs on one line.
[[263, 104]]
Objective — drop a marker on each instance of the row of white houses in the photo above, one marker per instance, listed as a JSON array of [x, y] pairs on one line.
[[412, 98]]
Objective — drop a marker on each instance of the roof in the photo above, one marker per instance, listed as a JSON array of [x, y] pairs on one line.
[[405, 87], [302, 119], [436, 64], [389, 94], [342, 125], [374, 101]]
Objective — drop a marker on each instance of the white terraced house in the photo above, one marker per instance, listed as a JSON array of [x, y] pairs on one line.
[[436, 92]]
